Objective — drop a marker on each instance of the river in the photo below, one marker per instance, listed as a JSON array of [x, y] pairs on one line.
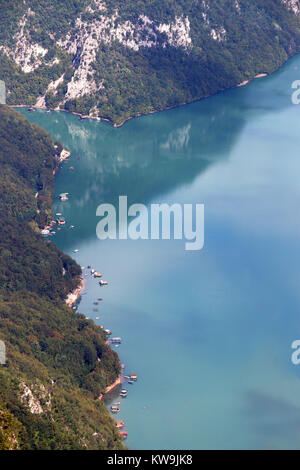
[[208, 332]]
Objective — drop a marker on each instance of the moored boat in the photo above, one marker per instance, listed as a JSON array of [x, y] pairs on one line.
[[60, 220], [120, 424], [114, 409], [124, 434], [103, 283], [123, 393], [64, 196]]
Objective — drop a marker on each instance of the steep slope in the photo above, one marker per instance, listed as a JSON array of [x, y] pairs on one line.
[[116, 58], [58, 363]]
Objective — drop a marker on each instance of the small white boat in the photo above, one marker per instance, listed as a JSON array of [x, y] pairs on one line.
[[103, 283], [64, 196]]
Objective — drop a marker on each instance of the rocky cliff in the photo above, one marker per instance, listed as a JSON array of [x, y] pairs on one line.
[[115, 59]]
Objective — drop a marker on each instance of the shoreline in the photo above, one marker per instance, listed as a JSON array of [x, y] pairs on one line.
[[245, 82], [111, 387], [115, 125], [74, 296]]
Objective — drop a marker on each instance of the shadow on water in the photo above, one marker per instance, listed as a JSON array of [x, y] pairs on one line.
[[150, 156], [278, 418]]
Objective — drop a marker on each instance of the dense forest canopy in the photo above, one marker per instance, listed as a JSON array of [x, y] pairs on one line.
[[58, 362], [120, 58]]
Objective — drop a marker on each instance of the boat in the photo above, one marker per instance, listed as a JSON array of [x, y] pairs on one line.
[[117, 403], [130, 382], [120, 424], [97, 274], [100, 299], [123, 393], [124, 434], [116, 340], [114, 409], [133, 377], [81, 118], [30, 110], [103, 283], [75, 251], [107, 332], [63, 196], [60, 220]]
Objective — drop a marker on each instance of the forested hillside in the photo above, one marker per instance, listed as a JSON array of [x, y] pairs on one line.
[[58, 362], [117, 58]]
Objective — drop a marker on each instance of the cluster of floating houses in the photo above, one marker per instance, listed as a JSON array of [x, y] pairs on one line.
[[115, 341], [80, 118], [115, 407]]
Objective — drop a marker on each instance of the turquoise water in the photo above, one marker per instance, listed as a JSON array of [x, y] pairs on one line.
[[209, 333]]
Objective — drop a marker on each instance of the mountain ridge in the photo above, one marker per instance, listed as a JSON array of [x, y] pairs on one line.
[[115, 60], [58, 362]]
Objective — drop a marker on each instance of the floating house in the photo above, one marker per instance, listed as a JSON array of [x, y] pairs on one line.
[[133, 377], [116, 340]]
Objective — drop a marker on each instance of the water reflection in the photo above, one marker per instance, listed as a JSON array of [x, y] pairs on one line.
[[221, 320]]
